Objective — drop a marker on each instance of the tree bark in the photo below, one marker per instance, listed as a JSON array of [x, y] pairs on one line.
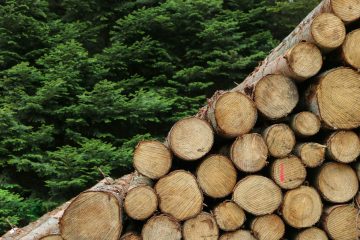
[[48, 224]]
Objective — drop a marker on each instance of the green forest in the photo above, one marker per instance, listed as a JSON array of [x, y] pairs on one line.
[[83, 81]]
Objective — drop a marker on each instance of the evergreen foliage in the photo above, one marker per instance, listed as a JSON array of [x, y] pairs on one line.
[[81, 82]]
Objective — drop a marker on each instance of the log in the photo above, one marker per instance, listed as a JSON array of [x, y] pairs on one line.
[[152, 159], [302, 207], [52, 237], [131, 236], [357, 167], [229, 216], [97, 212], [268, 227], [257, 195], [216, 176], [311, 154], [203, 226], [337, 182], [350, 49], [275, 96], [288, 172], [343, 146], [239, 234], [280, 140], [161, 227], [305, 124], [341, 222], [191, 138], [311, 233], [48, 224], [140, 202], [249, 152], [335, 98], [347, 11], [232, 114], [327, 31], [179, 195]]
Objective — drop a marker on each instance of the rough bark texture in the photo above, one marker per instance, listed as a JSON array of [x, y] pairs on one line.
[[49, 223]]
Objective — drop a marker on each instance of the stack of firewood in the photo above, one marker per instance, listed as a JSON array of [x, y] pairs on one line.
[[274, 158]]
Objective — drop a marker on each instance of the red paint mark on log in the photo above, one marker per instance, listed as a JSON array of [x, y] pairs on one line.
[[282, 173]]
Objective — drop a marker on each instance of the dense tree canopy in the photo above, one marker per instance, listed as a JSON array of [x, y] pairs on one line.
[[83, 81]]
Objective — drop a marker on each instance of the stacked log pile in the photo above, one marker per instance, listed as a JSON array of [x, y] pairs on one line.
[[274, 158]]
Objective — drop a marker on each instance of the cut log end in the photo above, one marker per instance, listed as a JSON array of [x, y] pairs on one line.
[[311, 154], [179, 195], [305, 60], [229, 216], [302, 207], [275, 96], [257, 195], [161, 227], [233, 114], [130, 236], [268, 227], [351, 50], [347, 10], [239, 234], [337, 182], [152, 159], [280, 140], [311, 234], [203, 226], [342, 222], [288, 172], [305, 124], [343, 146], [335, 99], [328, 31], [92, 215], [249, 152], [52, 237], [141, 202], [217, 176], [191, 138]]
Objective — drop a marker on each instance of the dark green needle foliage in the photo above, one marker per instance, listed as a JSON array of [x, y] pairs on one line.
[[81, 82]]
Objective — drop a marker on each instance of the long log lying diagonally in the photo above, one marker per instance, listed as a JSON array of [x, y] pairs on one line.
[[276, 157]]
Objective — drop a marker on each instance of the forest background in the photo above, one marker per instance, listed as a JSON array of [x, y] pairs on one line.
[[82, 81]]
